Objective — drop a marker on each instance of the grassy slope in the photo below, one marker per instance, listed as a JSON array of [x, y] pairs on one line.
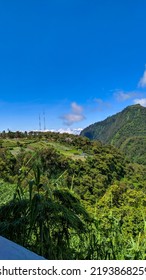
[[71, 152], [6, 189]]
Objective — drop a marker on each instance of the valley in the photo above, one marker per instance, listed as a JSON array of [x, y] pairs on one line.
[[67, 197]]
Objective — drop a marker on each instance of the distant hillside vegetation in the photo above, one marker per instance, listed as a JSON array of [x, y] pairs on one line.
[[125, 130], [65, 197]]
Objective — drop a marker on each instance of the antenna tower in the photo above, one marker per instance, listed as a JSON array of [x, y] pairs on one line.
[[39, 122], [44, 120]]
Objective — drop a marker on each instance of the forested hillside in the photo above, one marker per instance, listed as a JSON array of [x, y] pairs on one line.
[[66, 197], [125, 130]]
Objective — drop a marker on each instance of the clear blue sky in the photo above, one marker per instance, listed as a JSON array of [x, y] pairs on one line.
[[79, 61]]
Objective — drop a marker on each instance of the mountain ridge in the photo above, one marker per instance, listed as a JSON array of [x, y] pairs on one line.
[[125, 129]]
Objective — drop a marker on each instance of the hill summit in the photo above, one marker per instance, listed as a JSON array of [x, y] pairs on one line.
[[125, 130]]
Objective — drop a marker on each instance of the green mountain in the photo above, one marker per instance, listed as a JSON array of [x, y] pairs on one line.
[[125, 130]]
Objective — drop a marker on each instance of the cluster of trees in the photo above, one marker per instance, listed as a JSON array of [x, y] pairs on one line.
[[64, 208]]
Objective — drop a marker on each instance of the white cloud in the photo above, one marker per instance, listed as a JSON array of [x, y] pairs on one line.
[[142, 82], [69, 119], [101, 105], [141, 101], [76, 108], [68, 130], [122, 95], [98, 100], [75, 115]]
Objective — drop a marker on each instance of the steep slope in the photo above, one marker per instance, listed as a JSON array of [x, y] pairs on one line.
[[126, 130]]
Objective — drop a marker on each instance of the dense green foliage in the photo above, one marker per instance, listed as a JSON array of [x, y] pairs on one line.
[[66, 197], [125, 130]]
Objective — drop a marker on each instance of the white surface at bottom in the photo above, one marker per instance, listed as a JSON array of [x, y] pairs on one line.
[[12, 251]]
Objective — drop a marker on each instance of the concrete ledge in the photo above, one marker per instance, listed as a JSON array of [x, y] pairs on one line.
[[12, 251]]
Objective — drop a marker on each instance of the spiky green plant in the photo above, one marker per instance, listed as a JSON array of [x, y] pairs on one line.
[[43, 219]]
